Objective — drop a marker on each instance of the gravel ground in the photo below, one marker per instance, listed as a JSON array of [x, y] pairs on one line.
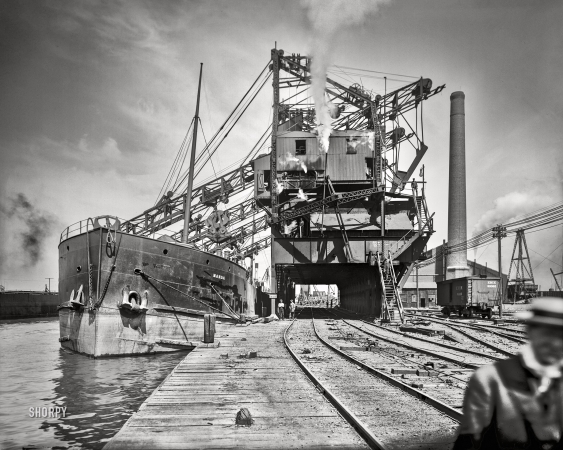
[[468, 327], [465, 343], [498, 341], [447, 382], [398, 419]]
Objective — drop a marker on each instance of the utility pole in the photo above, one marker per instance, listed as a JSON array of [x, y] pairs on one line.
[[49, 282], [499, 233]]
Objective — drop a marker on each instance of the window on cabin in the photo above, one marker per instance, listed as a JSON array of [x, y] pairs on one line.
[[300, 147], [351, 144]]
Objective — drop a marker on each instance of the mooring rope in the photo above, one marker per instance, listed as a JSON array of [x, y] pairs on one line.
[[143, 274]]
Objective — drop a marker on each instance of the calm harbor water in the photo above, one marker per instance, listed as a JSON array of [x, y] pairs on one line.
[[99, 394]]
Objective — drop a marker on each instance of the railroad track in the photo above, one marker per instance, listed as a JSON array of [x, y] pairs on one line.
[[482, 349], [459, 352], [497, 341], [385, 410]]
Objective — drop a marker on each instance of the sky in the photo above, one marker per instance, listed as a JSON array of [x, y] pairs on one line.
[[97, 96]]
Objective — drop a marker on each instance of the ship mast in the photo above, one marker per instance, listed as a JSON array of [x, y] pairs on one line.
[[188, 205]]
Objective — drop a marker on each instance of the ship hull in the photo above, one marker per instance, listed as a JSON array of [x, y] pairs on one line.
[[180, 285]]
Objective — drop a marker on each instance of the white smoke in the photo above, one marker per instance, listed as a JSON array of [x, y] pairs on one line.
[[511, 206], [328, 19], [301, 195], [287, 229], [290, 158]]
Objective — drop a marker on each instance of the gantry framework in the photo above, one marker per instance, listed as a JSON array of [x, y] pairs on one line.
[[360, 109]]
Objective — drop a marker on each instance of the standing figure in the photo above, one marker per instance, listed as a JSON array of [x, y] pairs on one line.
[[292, 310], [517, 403], [280, 310], [414, 185], [387, 268]]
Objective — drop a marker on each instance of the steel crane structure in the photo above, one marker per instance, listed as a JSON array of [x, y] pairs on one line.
[[334, 217]]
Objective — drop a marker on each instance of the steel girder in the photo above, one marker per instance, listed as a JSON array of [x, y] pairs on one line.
[[204, 197]]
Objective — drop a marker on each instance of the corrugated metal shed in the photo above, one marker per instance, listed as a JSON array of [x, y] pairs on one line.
[[346, 159]]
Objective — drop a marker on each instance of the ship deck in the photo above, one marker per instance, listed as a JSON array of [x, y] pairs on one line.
[[197, 404]]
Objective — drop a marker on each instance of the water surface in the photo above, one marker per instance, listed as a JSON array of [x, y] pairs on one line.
[[99, 394]]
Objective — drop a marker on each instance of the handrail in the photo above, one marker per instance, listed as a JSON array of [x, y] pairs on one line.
[[415, 235], [418, 214], [396, 293], [386, 315], [80, 227]]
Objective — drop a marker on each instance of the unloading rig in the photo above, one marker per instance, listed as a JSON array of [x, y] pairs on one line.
[[348, 216], [354, 216]]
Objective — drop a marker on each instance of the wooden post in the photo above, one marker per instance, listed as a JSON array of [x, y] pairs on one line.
[[208, 328]]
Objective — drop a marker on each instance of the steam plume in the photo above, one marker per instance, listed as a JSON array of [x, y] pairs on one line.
[[301, 195], [328, 19], [510, 206], [37, 226]]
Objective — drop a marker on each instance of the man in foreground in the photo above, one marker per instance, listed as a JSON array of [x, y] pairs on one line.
[[517, 403]]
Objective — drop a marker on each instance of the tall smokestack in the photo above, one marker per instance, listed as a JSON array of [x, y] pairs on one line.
[[456, 262]]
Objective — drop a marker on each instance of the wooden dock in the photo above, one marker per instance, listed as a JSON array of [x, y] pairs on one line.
[[197, 404]]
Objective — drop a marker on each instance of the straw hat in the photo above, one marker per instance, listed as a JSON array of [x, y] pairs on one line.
[[544, 311]]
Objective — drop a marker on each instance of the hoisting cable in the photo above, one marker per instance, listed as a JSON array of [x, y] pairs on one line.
[[207, 148], [144, 275], [170, 175], [202, 153], [236, 121], [235, 109], [224, 302]]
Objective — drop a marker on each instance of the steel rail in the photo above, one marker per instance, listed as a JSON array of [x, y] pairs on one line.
[[474, 338], [440, 406], [488, 329], [513, 330], [449, 347], [482, 342], [427, 352], [437, 355], [504, 335], [350, 417]]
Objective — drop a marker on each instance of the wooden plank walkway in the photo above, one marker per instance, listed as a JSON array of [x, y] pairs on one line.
[[196, 405]]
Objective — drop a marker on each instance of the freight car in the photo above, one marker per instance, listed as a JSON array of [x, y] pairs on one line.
[[469, 296]]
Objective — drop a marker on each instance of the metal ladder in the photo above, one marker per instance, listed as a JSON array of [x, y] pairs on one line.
[[390, 298]]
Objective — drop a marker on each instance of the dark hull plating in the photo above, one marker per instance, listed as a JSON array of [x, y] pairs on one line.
[[182, 285]]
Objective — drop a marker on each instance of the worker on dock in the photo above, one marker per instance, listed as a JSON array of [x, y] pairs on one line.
[[517, 403], [280, 309], [292, 310]]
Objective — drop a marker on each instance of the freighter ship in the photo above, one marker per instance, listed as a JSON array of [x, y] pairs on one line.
[[129, 291]]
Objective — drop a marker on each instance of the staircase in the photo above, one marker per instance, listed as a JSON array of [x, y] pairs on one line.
[[394, 313], [392, 307], [422, 212]]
